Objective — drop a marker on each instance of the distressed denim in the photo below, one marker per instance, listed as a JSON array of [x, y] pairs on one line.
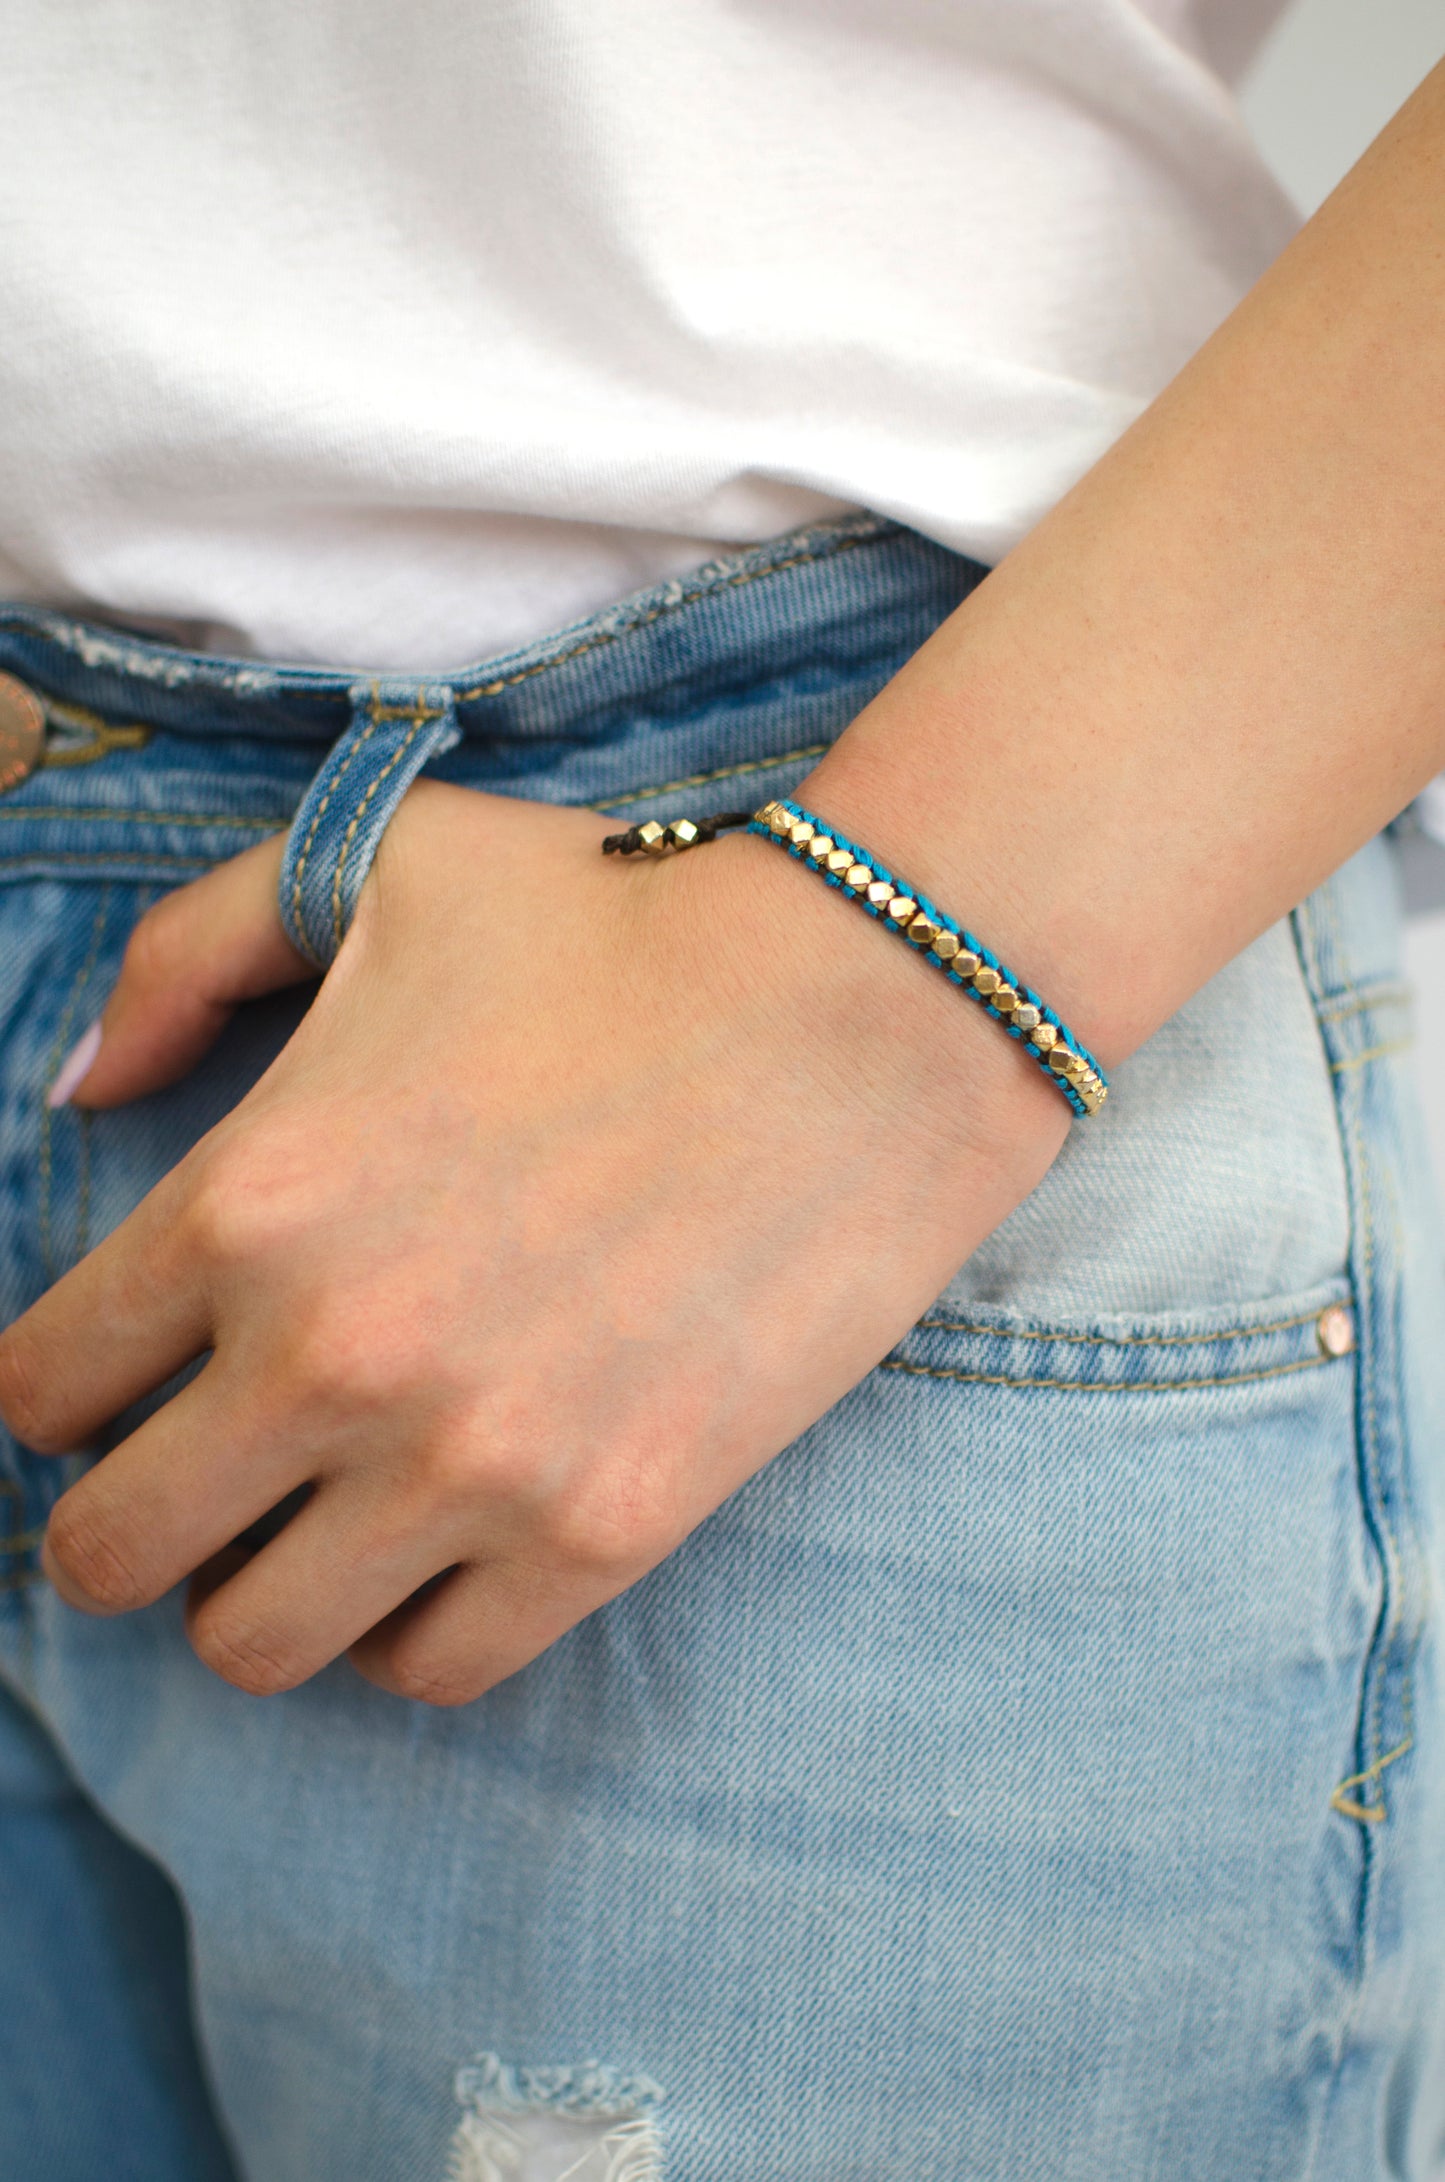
[[1033, 1775]]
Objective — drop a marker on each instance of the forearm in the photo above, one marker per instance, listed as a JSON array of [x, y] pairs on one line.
[[1218, 667]]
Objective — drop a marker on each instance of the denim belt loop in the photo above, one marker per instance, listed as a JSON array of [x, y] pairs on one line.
[[396, 728]]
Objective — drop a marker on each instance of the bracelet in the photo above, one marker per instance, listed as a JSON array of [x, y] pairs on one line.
[[1044, 1036]]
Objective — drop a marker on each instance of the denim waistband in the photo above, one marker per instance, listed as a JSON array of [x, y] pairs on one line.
[[823, 590]]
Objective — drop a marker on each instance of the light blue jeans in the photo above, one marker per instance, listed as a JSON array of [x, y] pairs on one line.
[[1035, 1775]]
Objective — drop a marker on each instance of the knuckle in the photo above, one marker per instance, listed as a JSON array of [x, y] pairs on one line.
[[225, 1214], [245, 1654], [341, 1348], [428, 1681], [610, 1532], [600, 1550], [158, 949], [25, 1404], [209, 1216], [459, 1473], [311, 1357], [92, 1562]]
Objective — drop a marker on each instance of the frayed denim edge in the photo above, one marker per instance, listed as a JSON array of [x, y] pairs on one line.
[[497, 2096]]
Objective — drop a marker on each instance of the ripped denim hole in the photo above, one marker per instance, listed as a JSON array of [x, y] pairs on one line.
[[582, 2124]]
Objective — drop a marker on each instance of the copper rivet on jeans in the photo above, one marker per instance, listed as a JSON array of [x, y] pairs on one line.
[[22, 732], [1336, 1330]]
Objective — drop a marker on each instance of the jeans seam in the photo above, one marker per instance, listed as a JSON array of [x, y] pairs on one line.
[[419, 716], [1385, 995], [57, 1055], [1109, 1386], [1392, 1605], [320, 811], [718, 772], [1379, 1052], [604, 637], [1126, 1340], [109, 856], [222, 819], [17, 813]]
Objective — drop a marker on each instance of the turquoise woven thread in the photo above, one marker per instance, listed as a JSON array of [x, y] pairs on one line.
[[945, 923]]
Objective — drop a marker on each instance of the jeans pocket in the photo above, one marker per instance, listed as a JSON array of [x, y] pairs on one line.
[[1214, 1178]]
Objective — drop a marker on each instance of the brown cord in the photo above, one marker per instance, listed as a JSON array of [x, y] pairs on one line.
[[650, 838]]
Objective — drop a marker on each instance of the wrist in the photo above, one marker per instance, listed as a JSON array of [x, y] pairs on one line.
[[868, 1020], [921, 787]]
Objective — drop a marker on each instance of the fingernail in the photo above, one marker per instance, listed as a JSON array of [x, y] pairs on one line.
[[75, 1068]]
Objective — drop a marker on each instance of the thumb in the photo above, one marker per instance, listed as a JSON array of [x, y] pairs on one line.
[[191, 961]]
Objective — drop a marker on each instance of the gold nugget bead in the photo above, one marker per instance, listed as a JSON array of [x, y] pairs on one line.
[[1025, 1017], [682, 833], [652, 837]]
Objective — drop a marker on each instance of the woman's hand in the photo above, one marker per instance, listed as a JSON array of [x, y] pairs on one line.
[[581, 1191]]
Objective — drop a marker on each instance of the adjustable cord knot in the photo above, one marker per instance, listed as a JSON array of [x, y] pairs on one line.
[[653, 839]]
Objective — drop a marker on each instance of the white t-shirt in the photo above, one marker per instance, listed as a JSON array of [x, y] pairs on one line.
[[387, 332]]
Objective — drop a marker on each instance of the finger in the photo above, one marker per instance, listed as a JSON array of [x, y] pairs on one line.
[[481, 1623], [128, 1317], [169, 1498], [341, 1565], [191, 961]]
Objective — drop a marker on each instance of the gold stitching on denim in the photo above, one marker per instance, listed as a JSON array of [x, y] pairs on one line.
[[718, 772], [1378, 996], [661, 613], [223, 819], [82, 1189], [1376, 1813], [57, 1055], [1371, 1053], [1125, 1340], [1107, 1386], [20, 1541], [1393, 1568], [18, 811], [102, 857], [106, 735], [419, 717], [320, 812]]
